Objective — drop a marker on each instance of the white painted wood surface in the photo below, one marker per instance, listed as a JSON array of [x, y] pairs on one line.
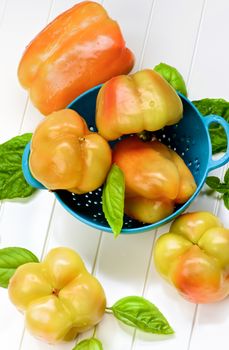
[[192, 35]]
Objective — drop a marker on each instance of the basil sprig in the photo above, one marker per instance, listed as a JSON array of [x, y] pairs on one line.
[[172, 76], [140, 313], [89, 344], [10, 259], [222, 187], [219, 107], [113, 199], [12, 181]]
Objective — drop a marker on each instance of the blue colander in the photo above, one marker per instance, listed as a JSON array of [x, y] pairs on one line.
[[189, 138]]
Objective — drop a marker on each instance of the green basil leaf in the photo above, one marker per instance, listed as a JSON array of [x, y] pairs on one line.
[[113, 199], [10, 259], [12, 181], [140, 313], [213, 182], [226, 177], [89, 344], [219, 107], [172, 76], [226, 200]]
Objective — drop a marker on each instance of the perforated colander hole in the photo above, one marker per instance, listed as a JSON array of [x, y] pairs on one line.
[[174, 148], [78, 204], [86, 195], [169, 139], [159, 139], [91, 128], [190, 163], [99, 189], [188, 139], [95, 202], [89, 201], [187, 149], [164, 136], [182, 153], [87, 205]]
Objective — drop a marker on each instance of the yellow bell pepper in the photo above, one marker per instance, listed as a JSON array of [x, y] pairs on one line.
[[58, 296]]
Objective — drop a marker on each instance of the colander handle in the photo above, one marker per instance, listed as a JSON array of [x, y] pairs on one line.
[[26, 171], [213, 164]]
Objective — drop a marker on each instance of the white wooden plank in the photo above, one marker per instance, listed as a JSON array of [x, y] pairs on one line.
[[2, 10], [21, 223], [21, 21], [133, 18], [209, 79], [173, 33]]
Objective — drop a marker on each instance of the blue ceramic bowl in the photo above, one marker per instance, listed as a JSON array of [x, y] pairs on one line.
[[189, 138]]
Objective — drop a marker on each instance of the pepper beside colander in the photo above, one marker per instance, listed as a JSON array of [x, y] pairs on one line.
[[189, 138]]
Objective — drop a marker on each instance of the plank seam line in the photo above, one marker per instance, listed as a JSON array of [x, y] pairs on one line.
[[1, 21], [3, 13], [196, 41], [145, 284], [147, 33]]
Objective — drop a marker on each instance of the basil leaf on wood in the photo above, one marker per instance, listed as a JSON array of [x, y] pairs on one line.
[[222, 187], [10, 259], [219, 107], [139, 313], [89, 344], [12, 181]]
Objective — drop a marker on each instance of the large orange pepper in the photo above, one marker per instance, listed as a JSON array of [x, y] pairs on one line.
[[81, 48]]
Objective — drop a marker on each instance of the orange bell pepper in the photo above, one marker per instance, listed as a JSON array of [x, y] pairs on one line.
[[156, 178], [140, 101], [81, 48]]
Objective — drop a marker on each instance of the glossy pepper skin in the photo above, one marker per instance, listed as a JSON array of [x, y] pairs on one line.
[[81, 48], [194, 257], [66, 155], [156, 178], [58, 296], [131, 104]]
